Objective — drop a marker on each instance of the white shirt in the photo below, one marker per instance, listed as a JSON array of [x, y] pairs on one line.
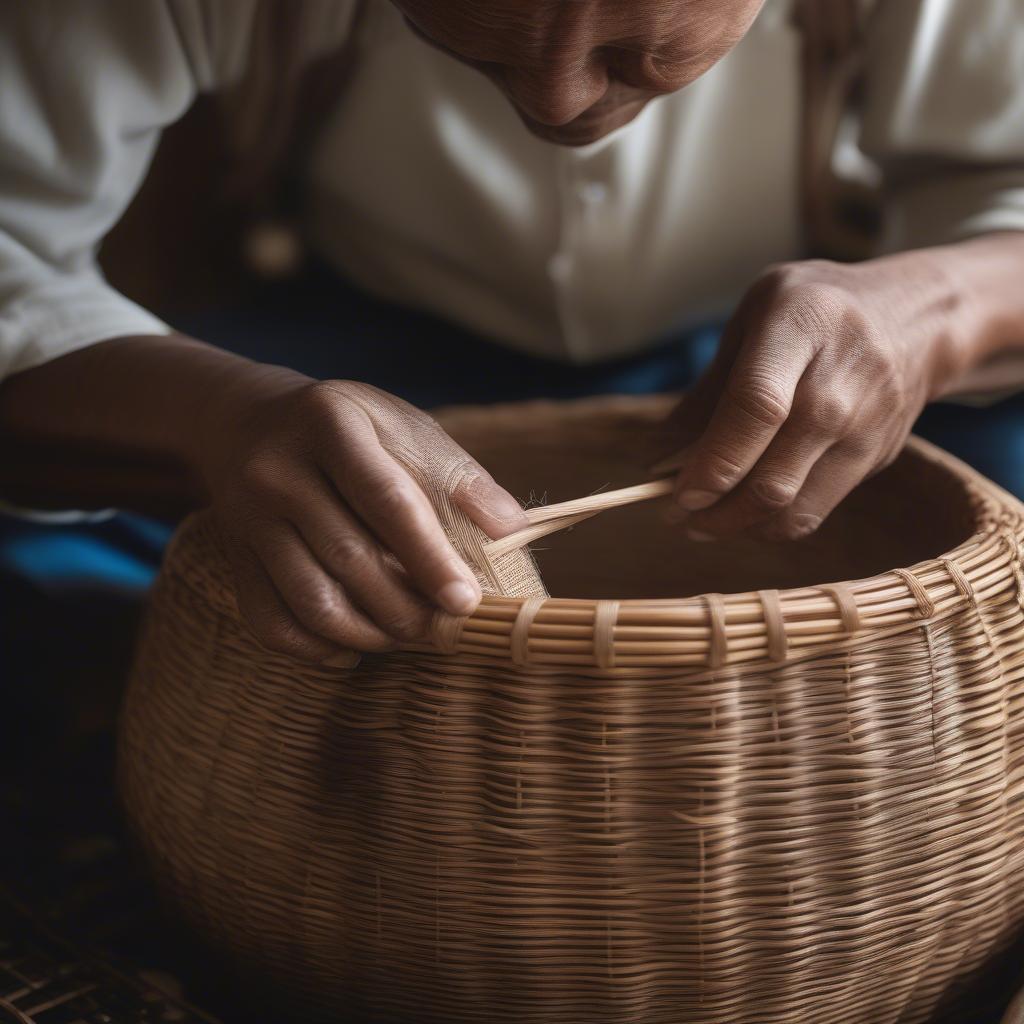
[[425, 187]]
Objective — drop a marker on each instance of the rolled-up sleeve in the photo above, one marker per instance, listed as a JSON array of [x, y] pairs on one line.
[[85, 89], [943, 117]]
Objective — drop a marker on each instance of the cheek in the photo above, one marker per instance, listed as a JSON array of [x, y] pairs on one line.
[[735, 24], [717, 29]]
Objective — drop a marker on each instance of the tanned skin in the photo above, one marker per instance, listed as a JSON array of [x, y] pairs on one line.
[[822, 371]]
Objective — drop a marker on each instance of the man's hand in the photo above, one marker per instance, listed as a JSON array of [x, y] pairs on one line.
[[311, 504], [333, 544], [820, 375]]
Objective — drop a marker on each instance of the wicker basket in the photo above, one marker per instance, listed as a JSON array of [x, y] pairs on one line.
[[797, 802]]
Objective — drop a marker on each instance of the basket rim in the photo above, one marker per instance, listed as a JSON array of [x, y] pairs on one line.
[[704, 633], [711, 631]]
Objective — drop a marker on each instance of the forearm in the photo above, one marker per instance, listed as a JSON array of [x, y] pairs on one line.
[[312, 506], [983, 280], [122, 421]]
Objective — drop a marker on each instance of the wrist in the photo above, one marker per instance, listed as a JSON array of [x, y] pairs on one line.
[[984, 313], [933, 312], [228, 409]]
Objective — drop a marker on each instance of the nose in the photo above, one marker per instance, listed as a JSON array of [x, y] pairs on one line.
[[555, 96]]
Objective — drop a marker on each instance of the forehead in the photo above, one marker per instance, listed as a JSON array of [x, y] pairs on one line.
[[487, 29]]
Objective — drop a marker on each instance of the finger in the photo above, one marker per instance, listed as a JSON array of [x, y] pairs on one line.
[[392, 505], [488, 504], [841, 469], [754, 404], [690, 418], [266, 615], [470, 486], [318, 603], [351, 555], [823, 411], [769, 488]]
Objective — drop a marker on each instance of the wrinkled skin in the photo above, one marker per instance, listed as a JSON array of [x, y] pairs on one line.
[[822, 370], [310, 503], [824, 367], [576, 70], [819, 377]]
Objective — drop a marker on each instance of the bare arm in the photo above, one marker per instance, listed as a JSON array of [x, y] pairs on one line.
[[823, 370], [308, 499], [990, 272], [122, 422]]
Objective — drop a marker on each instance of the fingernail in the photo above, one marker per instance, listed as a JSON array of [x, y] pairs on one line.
[[694, 500], [343, 659], [805, 523], [700, 536], [458, 598]]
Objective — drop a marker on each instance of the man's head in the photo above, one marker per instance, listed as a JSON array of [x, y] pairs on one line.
[[575, 70]]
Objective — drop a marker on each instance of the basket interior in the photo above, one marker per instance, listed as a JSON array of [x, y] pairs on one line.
[[914, 510]]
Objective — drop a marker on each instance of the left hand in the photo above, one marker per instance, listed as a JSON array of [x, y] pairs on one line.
[[818, 379]]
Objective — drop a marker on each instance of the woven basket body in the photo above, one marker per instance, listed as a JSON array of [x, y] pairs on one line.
[[636, 801]]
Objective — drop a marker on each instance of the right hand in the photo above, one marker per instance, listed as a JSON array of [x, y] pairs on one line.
[[309, 504]]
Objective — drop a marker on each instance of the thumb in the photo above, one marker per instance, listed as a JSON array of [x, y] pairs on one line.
[[486, 503]]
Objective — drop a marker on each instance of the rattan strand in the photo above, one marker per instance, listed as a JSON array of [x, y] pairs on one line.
[[575, 816]]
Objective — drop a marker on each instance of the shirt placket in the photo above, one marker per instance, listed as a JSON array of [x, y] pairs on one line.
[[582, 197]]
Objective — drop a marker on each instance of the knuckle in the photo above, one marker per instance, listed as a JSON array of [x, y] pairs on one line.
[[789, 282], [283, 637], [346, 550], [774, 492], [405, 627], [882, 367], [325, 411], [720, 471], [324, 612], [466, 478], [829, 412], [393, 499], [777, 277], [760, 400], [321, 396], [320, 613]]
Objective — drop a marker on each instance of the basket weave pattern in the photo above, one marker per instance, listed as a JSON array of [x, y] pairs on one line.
[[785, 806]]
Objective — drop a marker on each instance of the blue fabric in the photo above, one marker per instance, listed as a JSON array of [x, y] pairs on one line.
[[71, 592], [116, 554], [989, 438], [429, 363]]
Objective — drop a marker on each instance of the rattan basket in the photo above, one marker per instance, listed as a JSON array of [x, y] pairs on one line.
[[711, 784]]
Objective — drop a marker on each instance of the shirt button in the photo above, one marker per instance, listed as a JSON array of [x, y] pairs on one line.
[[560, 266], [592, 192]]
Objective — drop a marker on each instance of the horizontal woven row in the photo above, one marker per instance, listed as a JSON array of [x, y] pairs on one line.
[[447, 839], [714, 629], [769, 807]]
